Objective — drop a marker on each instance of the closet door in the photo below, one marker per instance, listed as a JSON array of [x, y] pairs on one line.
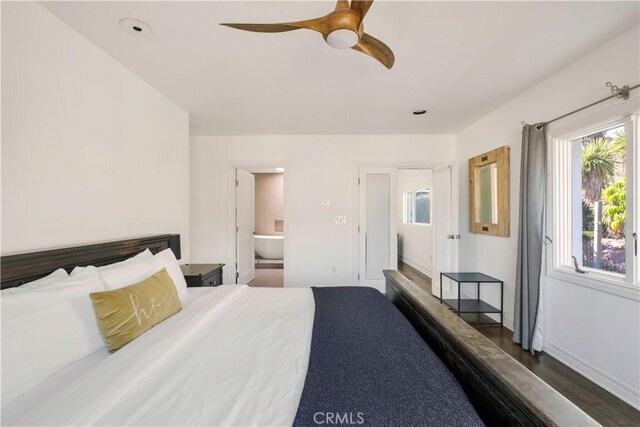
[[378, 238]]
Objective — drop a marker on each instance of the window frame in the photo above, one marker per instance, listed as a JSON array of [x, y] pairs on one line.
[[408, 207], [409, 216], [561, 197]]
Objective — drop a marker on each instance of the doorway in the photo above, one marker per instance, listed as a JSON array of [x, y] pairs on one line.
[[415, 223], [406, 220], [259, 226]]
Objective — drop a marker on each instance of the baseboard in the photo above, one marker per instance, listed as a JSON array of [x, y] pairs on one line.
[[417, 266], [614, 386], [508, 323]]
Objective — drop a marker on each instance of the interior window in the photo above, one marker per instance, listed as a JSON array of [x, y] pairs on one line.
[[423, 207], [417, 207]]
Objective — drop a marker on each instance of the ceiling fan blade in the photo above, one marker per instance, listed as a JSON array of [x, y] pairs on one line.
[[376, 49], [317, 24], [361, 6], [263, 28]]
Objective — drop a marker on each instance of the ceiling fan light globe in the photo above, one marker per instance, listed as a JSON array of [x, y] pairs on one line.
[[342, 39]]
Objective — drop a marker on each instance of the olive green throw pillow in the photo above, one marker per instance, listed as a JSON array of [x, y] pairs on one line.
[[126, 313]]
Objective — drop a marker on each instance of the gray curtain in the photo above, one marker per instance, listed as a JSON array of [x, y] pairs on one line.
[[530, 235]]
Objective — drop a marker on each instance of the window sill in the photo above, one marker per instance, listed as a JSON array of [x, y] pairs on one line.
[[596, 282]]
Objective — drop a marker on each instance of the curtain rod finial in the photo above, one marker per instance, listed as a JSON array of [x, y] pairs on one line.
[[619, 92]]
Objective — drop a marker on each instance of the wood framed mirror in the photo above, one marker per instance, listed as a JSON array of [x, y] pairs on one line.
[[489, 193]]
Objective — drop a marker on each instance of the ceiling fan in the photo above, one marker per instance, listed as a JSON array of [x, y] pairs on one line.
[[342, 29]]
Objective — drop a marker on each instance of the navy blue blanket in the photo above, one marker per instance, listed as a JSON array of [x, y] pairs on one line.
[[368, 366]]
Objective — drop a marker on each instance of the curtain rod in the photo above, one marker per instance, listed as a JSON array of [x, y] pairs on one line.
[[615, 93]]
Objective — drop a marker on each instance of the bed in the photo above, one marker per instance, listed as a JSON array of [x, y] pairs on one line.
[[236, 355]]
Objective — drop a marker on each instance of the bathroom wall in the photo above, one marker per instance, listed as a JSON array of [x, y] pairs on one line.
[[269, 203]]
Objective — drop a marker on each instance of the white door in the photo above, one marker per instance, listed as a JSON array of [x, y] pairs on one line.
[[378, 238], [245, 217], [443, 229]]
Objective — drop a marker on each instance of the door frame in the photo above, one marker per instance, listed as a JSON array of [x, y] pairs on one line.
[[253, 167], [402, 165]]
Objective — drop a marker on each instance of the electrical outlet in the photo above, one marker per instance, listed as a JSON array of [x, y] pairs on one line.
[[341, 219], [325, 202]]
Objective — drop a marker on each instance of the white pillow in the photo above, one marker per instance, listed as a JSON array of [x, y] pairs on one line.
[[146, 254], [133, 271], [128, 273], [168, 260], [46, 329], [56, 276]]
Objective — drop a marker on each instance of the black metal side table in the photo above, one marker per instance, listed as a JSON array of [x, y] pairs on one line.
[[472, 305]]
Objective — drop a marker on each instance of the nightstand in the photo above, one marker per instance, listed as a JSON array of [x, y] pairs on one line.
[[472, 305], [197, 275]]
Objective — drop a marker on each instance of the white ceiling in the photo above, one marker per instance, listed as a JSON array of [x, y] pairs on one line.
[[460, 60]]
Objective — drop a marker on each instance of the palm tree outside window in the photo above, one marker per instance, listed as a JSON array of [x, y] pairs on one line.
[[603, 176]]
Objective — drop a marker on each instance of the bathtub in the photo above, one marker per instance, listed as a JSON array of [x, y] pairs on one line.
[[269, 247]]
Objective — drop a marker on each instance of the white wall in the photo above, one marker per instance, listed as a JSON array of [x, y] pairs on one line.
[[596, 333], [90, 152], [416, 245], [316, 168]]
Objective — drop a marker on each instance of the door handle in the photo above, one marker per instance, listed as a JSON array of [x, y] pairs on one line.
[[635, 244]]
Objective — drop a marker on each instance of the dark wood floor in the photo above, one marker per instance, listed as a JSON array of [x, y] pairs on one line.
[[601, 405]]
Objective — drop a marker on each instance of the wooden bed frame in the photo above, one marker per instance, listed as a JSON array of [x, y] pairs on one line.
[[502, 391], [18, 269]]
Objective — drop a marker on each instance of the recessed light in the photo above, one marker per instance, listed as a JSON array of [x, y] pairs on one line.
[[136, 27], [419, 112]]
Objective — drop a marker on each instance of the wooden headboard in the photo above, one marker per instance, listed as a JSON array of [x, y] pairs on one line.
[[18, 269]]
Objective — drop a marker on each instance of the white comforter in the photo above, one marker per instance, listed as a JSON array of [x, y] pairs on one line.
[[233, 356]]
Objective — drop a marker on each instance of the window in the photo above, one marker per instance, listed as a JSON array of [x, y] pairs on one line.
[[603, 163], [417, 207], [592, 208]]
